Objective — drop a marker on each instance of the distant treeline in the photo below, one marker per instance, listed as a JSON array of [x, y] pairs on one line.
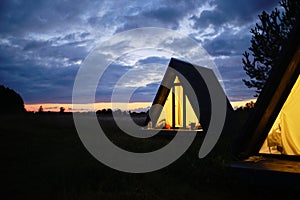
[[118, 112]]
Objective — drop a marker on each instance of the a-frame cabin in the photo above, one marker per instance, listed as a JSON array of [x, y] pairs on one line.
[[183, 99]]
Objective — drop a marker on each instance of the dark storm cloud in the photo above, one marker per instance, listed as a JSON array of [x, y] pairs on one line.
[[38, 84], [145, 94], [108, 81], [231, 11], [243, 9], [21, 17], [153, 59], [231, 22], [42, 43], [163, 13], [228, 44], [232, 76]]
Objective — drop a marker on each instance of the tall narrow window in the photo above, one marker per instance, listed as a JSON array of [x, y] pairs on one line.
[[177, 111]]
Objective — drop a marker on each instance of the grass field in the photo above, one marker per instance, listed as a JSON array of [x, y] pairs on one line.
[[42, 157]]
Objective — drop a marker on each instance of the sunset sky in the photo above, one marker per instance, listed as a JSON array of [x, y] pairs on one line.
[[43, 43]]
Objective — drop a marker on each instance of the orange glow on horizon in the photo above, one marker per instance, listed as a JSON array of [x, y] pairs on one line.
[[55, 107], [236, 104]]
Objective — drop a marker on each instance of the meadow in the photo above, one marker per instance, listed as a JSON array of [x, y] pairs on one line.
[[42, 157]]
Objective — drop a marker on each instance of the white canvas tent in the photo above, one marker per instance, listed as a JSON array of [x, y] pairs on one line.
[[284, 136]]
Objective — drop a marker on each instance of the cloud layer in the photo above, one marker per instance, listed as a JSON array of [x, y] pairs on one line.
[[43, 43]]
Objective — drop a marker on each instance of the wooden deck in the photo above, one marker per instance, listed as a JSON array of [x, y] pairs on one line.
[[269, 164], [267, 172]]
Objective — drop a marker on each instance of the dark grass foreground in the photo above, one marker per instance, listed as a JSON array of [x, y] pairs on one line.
[[42, 157]]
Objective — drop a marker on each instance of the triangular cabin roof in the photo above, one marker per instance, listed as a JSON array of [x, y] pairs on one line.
[[277, 89], [179, 68]]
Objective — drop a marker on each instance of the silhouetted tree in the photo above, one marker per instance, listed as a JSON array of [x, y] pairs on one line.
[[41, 109], [109, 111], [248, 106], [61, 109], [268, 37], [98, 112], [104, 112], [11, 102]]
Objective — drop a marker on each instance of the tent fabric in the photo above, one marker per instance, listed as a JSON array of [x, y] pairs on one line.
[[165, 119], [284, 135]]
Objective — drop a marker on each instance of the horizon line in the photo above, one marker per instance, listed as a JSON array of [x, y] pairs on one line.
[[123, 106]]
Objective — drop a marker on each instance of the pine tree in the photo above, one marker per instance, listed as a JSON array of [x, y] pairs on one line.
[[268, 38]]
